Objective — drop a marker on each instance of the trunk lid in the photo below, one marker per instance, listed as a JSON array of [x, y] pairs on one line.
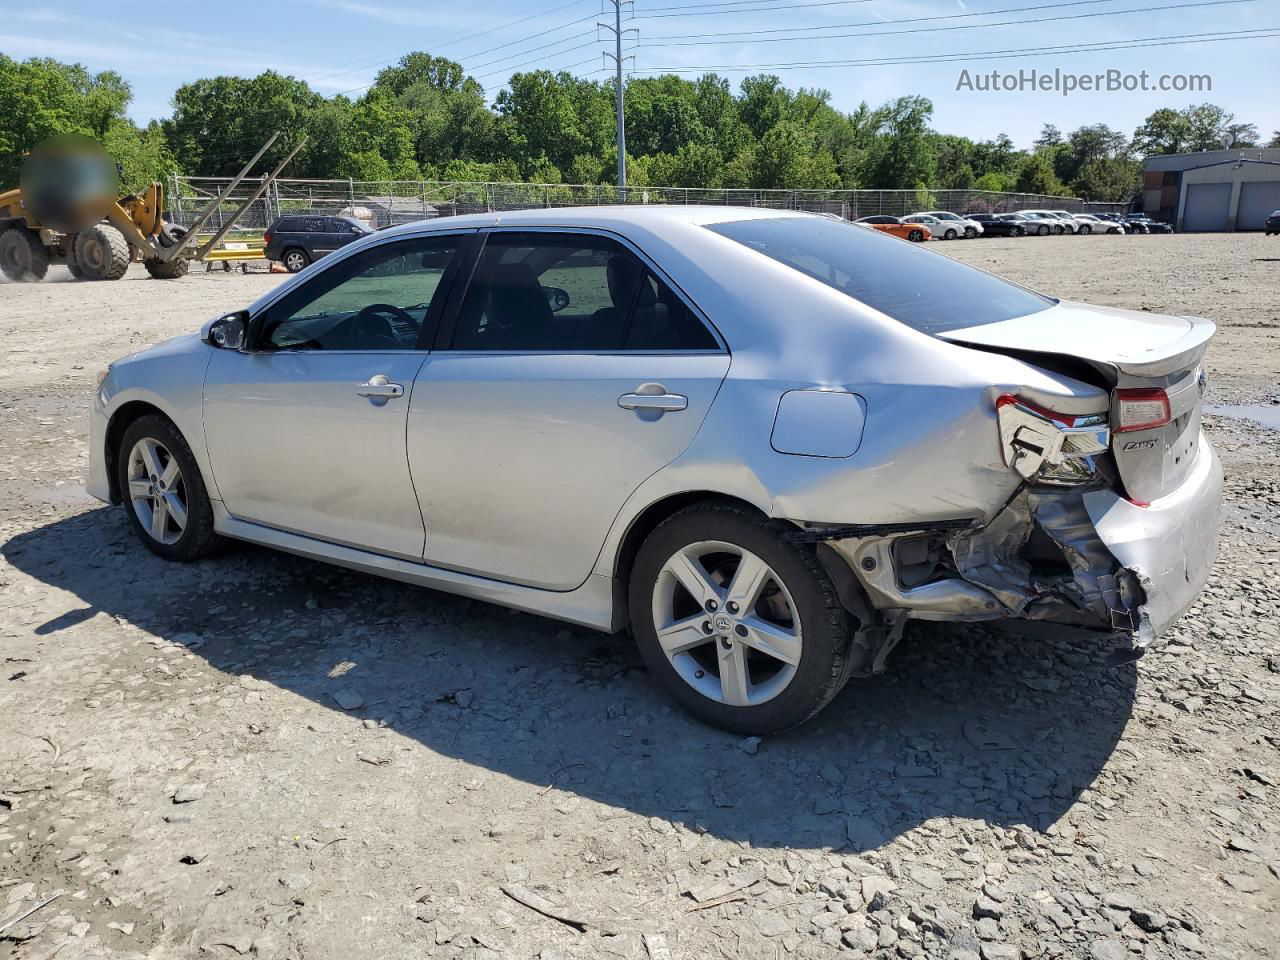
[[1131, 350]]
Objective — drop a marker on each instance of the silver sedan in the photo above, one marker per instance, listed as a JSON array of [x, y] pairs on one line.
[[763, 441]]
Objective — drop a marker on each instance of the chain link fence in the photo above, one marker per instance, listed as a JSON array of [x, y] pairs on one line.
[[386, 203]]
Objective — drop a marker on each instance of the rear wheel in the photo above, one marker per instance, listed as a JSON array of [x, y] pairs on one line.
[[101, 252], [737, 624], [1058, 230], [23, 257], [295, 259], [163, 491]]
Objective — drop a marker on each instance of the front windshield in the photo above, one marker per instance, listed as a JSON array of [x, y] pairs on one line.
[[927, 291]]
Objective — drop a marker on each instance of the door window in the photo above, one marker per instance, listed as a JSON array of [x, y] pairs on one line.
[[543, 292], [386, 297]]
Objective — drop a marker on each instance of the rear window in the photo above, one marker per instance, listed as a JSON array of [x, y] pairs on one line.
[[927, 291]]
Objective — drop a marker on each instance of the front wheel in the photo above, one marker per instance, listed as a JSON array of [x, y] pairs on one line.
[[970, 233], [101, 252], [737, 624], [949, 235], [1086, 230], [1042, 231], [915, 236], [163, 491]]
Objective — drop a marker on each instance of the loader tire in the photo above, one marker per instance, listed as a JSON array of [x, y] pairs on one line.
[[167, 270], [102, 252], [23, 257]]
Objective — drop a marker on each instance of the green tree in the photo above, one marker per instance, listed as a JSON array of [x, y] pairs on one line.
[[1112, 179], [40, 98], [1037, 176]]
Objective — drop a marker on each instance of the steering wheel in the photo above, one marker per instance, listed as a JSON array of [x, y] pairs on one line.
[[384, 324]]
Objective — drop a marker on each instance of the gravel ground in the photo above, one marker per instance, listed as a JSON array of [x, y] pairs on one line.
[[259, 755]]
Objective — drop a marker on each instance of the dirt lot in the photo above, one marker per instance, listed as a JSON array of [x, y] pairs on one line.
[[174, 763]]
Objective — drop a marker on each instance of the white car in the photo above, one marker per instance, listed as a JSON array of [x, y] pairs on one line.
[[968, 228], [762, 440], [1069, 224], [936, 226], [1088, 223]]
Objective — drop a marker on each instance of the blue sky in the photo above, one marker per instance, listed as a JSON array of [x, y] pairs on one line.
[[338, 46]]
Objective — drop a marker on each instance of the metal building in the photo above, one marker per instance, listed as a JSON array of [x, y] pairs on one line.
[[1216, 190]]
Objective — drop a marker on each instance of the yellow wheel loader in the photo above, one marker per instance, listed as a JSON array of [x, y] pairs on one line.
[[133, 229]]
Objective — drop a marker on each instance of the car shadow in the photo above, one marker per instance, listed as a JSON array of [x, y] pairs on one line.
[[970, 722]]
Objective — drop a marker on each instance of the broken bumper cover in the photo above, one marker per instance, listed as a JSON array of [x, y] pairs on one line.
[[1087, 558], [1171, 544]]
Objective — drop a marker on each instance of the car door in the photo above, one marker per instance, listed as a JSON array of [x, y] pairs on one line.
[[568, 373], [306, 428]]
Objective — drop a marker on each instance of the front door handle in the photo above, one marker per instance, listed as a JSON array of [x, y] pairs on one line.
[[653, 397], [379, 389]]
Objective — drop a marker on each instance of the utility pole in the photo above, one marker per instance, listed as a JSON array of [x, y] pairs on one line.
[[619, 61]]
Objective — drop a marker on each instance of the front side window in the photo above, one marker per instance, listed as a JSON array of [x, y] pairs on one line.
[[546, 292], [926, 291], [384, 298]]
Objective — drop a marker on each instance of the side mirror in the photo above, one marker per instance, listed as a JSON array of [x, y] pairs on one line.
[[230, 332]]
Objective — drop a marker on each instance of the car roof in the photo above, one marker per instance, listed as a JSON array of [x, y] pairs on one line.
[[610, 216]]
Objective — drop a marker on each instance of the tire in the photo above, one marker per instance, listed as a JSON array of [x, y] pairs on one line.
[[1042, 230], [173, 538], [1085, 231], [915, 236], [970, 233], [23, 258], [786, 692], [167, 270], [950, 234], [1019, 232], [102, 252], [295, 259]]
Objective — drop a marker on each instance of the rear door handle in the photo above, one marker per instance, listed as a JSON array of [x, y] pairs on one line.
[[653, 396], [379, 389]]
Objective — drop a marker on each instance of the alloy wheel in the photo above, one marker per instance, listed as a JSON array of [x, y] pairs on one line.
[[294, 261], [157, 491], [727, 623]]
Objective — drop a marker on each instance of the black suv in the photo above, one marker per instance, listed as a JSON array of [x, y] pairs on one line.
[[297, 241]]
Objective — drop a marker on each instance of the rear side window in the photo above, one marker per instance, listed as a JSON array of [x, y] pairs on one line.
[[929, 292], [288, 225], [550, 292]]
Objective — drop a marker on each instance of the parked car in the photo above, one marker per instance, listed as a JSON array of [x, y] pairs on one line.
[[915, 232], [937, 229], [971, 228], [764, 440], [1273, 223], [996, 226], [299, 241], [1149, 225], [1069, 224], [1118, 220], [1093, 224], [1041, 224]]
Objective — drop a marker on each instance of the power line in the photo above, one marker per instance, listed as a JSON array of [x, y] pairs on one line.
[[490, 27], [720, 34], [973, 26], [1137, 43], [691, 10]]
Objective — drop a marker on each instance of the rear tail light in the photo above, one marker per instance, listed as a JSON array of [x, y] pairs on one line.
[[1047, 446], [1141, 409], [266, 238]]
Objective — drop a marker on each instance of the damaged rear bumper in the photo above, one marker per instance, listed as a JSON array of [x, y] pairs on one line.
[[1088, 558], [1171, 544]]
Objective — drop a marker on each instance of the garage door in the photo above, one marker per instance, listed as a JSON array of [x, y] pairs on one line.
[[1207, 207], [1257, 200]]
